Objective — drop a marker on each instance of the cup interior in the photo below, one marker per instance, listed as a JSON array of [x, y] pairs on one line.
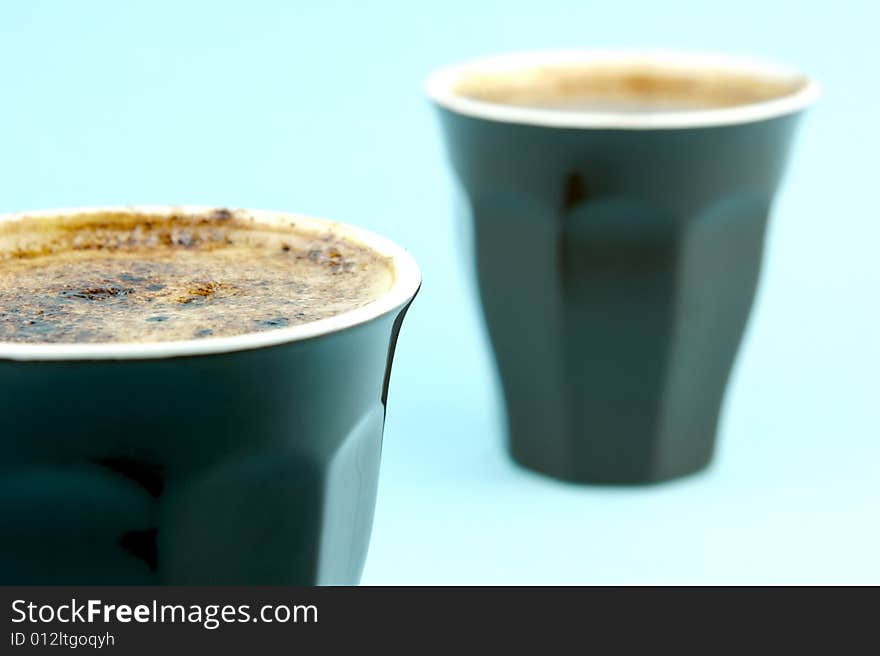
[[86, 230], [621, 89]]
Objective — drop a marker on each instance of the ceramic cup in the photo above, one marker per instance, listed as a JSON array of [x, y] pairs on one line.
[[617, 247], [234, 460]]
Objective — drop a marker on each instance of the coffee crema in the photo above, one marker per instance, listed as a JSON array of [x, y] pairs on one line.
[[138, 277], [627, 88]]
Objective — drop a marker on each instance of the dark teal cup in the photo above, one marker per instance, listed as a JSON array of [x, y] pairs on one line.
[[247, 460], [618, 204]]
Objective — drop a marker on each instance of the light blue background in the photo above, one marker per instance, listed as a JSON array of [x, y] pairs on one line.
[[316, 107]]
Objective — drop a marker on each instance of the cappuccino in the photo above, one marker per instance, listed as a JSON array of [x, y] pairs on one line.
[[137, 277]]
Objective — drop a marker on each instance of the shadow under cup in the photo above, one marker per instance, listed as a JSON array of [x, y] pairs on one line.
[[244, 460], [619, 204]]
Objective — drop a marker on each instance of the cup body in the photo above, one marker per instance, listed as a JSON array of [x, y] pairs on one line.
[[616, 266], [242, 462]]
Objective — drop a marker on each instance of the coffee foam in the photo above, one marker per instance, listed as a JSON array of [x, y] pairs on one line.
[[139, 277], [615, 85]]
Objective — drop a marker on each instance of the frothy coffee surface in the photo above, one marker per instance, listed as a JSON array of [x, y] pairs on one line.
[[126, 277], [622, 88]]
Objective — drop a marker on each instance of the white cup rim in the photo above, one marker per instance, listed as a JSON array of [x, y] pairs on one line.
[[441, 84], [407, 279]]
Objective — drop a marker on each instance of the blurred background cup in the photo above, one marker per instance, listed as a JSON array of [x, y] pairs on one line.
[[619, 202]]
